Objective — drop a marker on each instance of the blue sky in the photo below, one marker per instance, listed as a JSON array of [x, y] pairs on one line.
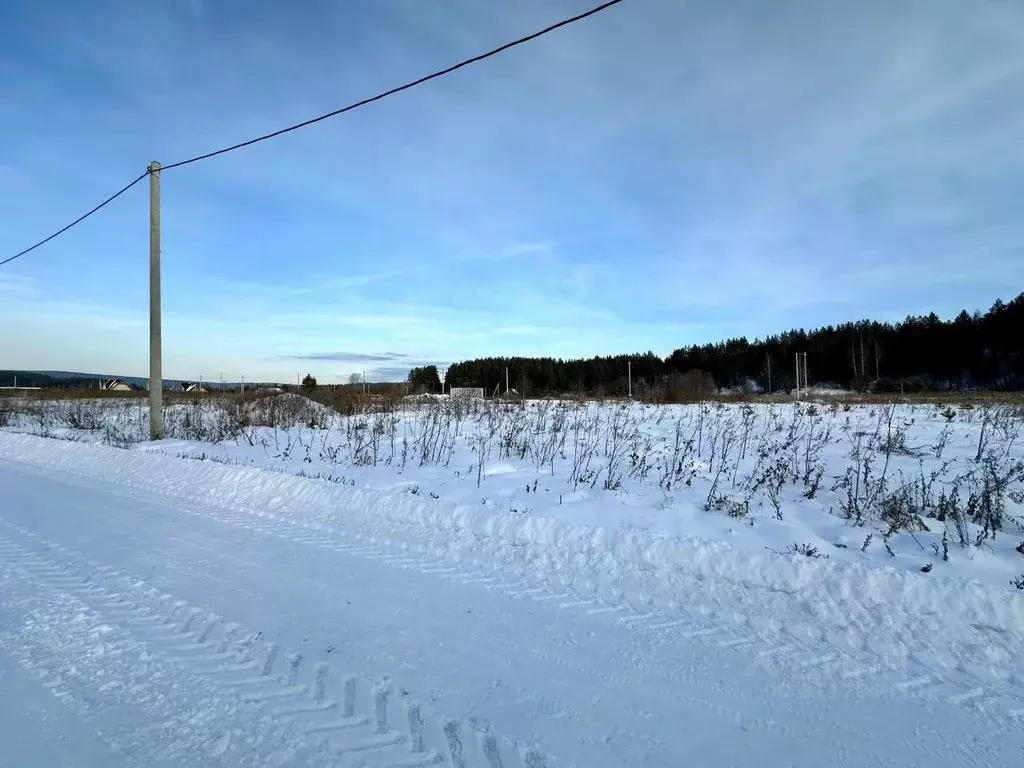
[[662, 174]]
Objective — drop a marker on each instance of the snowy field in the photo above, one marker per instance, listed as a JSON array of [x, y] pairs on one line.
[[908, 487], [489, 585]]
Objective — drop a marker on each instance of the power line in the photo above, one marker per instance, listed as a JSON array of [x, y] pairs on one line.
[[80, 219], [350, 107], [400, 88]]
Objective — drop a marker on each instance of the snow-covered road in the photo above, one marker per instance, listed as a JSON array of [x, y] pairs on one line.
[[172, 629]]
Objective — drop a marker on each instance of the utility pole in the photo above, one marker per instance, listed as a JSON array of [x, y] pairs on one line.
[[797, 375], [629, 378], [156, 376], [243, 383], [506, 381], [364, 382], [803, 378]]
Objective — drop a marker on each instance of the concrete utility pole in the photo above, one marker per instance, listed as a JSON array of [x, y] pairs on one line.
[[801, 372], [629, 369], [156, 377], [797, 375]]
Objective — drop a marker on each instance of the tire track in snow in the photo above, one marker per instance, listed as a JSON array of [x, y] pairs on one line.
[[733, 713], [793, 653], [861, 662], [596, 679], [330, 719], [848, 732], [145, 712]]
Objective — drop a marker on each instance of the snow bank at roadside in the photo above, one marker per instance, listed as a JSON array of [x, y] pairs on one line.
[[651, 566]]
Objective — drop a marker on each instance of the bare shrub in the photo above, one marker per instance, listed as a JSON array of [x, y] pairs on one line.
[[807, 550], [7, 412], [679, 466], [583, 425], [620, 439]]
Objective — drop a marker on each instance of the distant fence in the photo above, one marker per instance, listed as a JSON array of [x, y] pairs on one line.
[[469, 393]]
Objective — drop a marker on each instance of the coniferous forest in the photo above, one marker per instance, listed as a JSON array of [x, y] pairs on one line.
[[969, 352]]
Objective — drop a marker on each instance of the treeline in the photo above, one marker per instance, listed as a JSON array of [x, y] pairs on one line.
[[36, 379], [972, 351]]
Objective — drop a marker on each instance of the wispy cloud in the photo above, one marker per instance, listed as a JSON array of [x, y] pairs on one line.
[[351, 357]]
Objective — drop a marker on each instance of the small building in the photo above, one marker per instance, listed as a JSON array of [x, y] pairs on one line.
[[115, 385], [192, 387]]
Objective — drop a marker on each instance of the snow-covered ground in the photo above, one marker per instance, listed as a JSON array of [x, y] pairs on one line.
[[556, 585], [904, 487]]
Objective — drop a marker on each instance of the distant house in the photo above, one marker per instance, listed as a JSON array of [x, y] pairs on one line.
[[114, 385], [192, 386]]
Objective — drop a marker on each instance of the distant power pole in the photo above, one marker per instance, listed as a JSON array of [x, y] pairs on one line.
[[156, 380], [364, 382], [243, 383], [506, 380], [629, 377], [801, 372]]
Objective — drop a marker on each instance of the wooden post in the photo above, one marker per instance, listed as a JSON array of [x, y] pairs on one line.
[[156, 380]]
